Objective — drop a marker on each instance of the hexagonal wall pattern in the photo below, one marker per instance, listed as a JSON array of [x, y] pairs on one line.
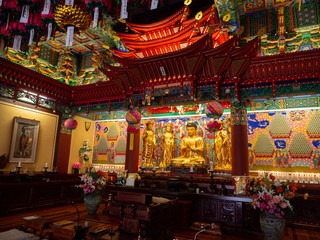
[[279, 127], [300, 147], [313, 127], [263, 146]]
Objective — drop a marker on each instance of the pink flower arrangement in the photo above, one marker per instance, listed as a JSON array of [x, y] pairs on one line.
[[272, 197], [76, 165], [213, 126], [93, 181]]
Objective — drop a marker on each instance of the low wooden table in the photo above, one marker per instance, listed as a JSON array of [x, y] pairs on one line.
[[39, 223], [68, 232]]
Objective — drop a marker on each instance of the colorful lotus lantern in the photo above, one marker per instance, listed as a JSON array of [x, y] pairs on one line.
[[72, 17], [214, 110], [133, 117], [70, 124]]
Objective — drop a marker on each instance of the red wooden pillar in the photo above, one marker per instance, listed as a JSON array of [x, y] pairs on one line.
[[132, 153], [239, 139], [63, 152]]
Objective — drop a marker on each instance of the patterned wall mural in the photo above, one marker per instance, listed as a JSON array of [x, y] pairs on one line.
[[289, 140]]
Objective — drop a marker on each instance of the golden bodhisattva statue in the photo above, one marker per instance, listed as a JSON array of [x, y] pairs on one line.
[[149, 143], [168, 146], [222, 147], [192, 147]]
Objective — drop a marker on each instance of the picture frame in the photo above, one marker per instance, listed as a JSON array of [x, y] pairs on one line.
[[24, 140]]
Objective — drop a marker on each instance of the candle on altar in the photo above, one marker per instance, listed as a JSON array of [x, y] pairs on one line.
[[191, 167], [154, 165], [211, 166], [19, 165], [46, 165], [142, 164]]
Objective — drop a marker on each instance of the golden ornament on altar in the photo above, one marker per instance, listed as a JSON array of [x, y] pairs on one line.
[[187, 2], [76, 15], [198, 15], [227, 17]]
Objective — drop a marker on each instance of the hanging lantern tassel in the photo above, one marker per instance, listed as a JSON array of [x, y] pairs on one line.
[[95, 17], [124, 9], [154, 4], [46, 7], [8, 20], [17, 42], [25, 14], [31, 37], [49, 31], [70, 32], [68, 2]]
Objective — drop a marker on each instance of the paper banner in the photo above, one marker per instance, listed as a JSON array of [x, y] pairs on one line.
[[31, 37], [49, 31], [68, 2], [46, 7], [95, 17], [25, 14], [69, 39], [124, 9], [17, 42], [131, 141], [154, 4]]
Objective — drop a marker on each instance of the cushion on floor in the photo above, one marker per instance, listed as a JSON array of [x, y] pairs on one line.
[[15, 234]]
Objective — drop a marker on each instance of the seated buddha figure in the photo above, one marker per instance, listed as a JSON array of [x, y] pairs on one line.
[[192, 147]]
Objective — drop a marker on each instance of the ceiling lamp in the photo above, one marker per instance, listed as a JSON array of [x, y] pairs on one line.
[[72, 17]]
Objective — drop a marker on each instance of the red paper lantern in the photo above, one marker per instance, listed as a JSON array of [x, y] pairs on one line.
[[70, 124]]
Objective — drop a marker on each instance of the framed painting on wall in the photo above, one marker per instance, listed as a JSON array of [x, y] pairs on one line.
[[24, 140]]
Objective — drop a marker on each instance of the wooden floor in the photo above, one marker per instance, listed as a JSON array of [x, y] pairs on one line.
[[69, 212]]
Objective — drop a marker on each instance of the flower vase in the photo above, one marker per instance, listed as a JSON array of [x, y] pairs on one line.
[[272, 226], [75, 170], [92, 202]]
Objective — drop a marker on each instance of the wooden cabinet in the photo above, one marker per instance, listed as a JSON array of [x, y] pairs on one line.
[[20, 196]]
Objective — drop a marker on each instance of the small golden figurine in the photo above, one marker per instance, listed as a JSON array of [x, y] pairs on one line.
[[149, 143], [168, 145], [192, 147]]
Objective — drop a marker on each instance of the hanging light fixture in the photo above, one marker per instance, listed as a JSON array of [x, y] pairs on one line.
[[72, 17]]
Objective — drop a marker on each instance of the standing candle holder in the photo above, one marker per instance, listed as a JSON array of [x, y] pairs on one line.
[[192, 186], [18, 179], [142, 183], [212, 188], [45, 174], [153, 183]]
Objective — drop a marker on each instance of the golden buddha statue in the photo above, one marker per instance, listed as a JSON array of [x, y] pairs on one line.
[[192, 147], [168, 145], [149, 143]]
